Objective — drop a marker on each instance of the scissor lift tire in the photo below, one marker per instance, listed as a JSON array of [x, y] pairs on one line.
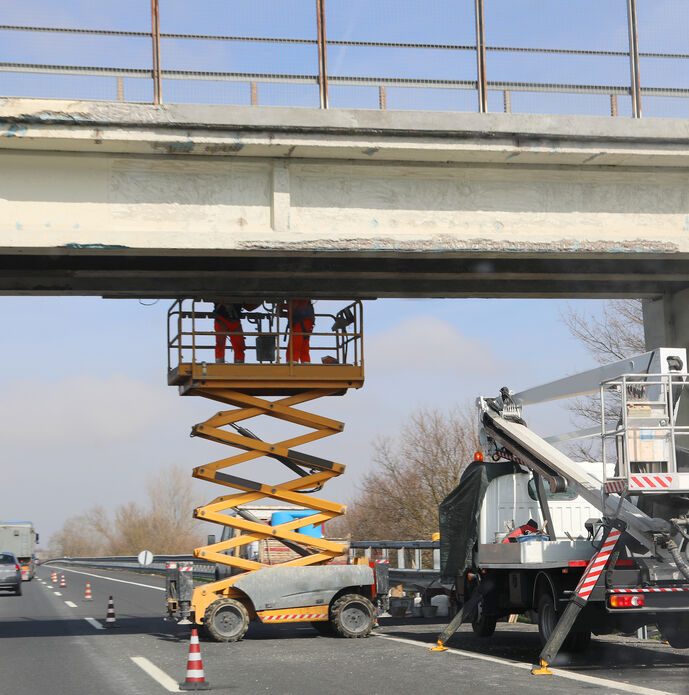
[[226, 620], [352, 616]]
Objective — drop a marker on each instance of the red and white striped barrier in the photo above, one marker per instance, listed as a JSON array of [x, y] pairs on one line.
[[87, 593], [292, 616], [618, 486], [195, 678], [648, 591], [53, 577], [597, 565], [62, 580], [652, 482]]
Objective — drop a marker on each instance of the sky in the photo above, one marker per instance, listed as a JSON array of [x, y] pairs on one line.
[[87, 416]]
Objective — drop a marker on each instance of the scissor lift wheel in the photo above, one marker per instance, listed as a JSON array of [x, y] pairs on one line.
[[226, 620], [352, 615]]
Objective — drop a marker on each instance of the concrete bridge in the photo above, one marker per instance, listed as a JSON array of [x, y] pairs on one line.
[[159, 201]]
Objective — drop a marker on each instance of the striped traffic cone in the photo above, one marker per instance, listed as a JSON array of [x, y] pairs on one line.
[[62, 580], [87, 593], [195, 679], [53, 577], [110, 620]]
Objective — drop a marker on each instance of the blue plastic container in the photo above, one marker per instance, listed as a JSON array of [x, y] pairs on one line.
[[309, 530]]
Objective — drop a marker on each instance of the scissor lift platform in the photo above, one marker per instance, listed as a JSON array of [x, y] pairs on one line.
[[265, 379]]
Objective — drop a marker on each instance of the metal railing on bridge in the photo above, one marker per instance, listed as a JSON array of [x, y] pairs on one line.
[[595, 57]]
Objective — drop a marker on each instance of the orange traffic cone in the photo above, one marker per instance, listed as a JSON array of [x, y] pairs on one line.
[[195, 679], [87, 593], [62, 580], [53, 577], [110, 620]]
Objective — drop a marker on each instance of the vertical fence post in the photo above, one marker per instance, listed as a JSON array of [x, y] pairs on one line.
[[634, 58], [481, 57], [613, 105], [382, 98], [507, 100], [155, 35], [322, 54]]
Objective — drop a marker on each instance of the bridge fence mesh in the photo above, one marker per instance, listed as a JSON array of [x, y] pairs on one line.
[[594, 57]]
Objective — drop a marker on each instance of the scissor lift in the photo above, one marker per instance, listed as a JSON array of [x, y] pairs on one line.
[[269, 383]]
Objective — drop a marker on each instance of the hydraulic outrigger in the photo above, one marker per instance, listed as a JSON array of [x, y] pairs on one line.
[[337, 597]]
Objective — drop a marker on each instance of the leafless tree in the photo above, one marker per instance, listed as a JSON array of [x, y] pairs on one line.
[[411, 474], [163, 525], [617, 332]]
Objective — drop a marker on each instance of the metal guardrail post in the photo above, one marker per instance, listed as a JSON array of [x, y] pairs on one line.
[[155, 36], [634, 58], [481, 79], [322, 54]]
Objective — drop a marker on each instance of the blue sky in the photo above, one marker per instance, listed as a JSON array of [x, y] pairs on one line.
[[581, 24], [86, 415]]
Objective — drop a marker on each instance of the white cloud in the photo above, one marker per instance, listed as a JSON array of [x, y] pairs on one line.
[[85, 409], [428, 344]]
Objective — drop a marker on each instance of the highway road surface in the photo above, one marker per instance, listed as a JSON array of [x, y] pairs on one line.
[[52, 642]]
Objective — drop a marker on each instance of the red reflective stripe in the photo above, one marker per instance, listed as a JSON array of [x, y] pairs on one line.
[[662, 482], [648, 481]]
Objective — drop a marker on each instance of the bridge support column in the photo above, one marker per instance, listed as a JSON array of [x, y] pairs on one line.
[[666, 320]]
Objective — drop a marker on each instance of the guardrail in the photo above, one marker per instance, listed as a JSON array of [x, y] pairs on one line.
[[587, 57], [417, 562], [131, 563]]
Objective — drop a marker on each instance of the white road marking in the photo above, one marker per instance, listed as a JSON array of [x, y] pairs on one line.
[[57, 593], [112, 579], [157, 674], [94, 623], [571, 675], [70, 604]]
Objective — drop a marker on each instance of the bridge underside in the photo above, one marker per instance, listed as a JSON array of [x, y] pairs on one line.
[[128, 200], [338, 275]]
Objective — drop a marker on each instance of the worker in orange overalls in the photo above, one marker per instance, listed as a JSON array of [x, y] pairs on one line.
[[228, 320], [303, 318]]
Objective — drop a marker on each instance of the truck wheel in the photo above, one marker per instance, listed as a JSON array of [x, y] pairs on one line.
[[323, 627], [352, 615], [483, 625], [547, 620], [226, 620], [18, 590], [675, 630]]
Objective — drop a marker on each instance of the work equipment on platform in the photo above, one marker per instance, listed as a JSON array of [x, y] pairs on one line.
[[335, 598], [510, 544]]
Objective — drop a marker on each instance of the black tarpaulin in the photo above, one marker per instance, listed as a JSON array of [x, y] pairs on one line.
[[459, 513]]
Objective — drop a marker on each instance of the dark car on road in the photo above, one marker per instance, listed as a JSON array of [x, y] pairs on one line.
[[10, 573]]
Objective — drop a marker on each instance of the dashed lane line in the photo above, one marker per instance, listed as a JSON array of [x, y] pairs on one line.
[[58, 593], [94, 623], [571, 675], [70, 604], [112, 579], [157, 674]]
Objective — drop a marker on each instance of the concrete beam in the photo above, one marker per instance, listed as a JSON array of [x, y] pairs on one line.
[[128, 199]]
